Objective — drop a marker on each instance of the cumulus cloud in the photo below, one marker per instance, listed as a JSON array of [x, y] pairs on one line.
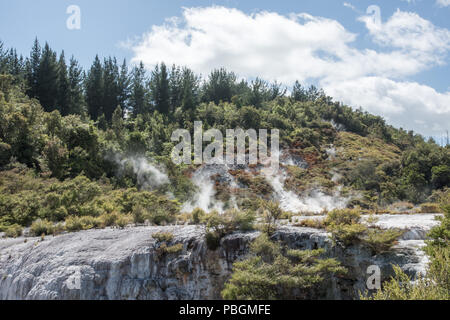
[[313, 50]]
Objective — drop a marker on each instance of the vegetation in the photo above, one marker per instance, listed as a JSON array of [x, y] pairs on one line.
[[70, 140], [346, 228], [163, 236], [220, 225], [275, 272], [435, 284]]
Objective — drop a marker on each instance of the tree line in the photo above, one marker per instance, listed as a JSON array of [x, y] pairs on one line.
[[63, 85]]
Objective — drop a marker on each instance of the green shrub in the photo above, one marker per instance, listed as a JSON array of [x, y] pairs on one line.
[[430, 208], [198, 215], [381, 240], [347, 233], [175, 248], [14, 231], [161, 217], [220, 225], [343, 216], [435, 285], [271, 213], [139, 214], [109, 219], [272, 272], [163, 236], [123, 220], [344, 225], [42, 227]]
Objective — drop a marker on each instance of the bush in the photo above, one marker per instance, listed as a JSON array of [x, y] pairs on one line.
[[14, 231], [139, 214], [311, 223], [74, 224], [344, 225], [220, 225], [42, 227], [347, 233], [430, 208], [198, 215], [163, 236], [273, 272], [164, 249], [175, 248], [271, 213], [109, 219], [344, 216], [381, 240], [161, 217], [435, 285], [123, 220]]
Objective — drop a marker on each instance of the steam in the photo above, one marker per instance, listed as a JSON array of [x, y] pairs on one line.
[[315, 202], [205, 197], [149, 176]]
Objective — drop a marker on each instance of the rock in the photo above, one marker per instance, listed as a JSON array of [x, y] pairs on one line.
[[128, 264]]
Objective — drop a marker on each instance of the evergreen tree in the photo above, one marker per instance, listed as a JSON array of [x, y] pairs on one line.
[[76, 98], [33, 69], [110, 88], [63, 86], [299, 93], [47, 79], [175, 88], [2, 59], [190, 90], [220, 86], [160, 89], [94, 89], [123, 87], [138, 93]]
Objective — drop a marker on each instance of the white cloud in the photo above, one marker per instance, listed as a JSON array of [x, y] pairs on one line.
[[408, 31], [443, 3], [312, 49], [404, 104]]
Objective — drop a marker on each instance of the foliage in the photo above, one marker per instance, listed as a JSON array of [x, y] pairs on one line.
[[220, 225], [163, 236], [274, 272], [42, 227], [435, 284], [14, 231]]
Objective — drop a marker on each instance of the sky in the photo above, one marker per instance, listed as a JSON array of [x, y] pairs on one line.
[[389, 57]]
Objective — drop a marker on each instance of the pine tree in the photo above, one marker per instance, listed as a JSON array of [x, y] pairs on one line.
[[76, 98], [63, 87], [190, 90], [94, 89], [220, 86], [33, 69], [3, 59], [47, 79], [110, 88], [123, 87], [138, 103], [299, 93], [160, 89], [175, 88]]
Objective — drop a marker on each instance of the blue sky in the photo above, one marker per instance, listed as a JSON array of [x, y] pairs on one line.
[[363, 75]]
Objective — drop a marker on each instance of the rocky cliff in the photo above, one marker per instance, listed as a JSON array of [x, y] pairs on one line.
[[128, 263]]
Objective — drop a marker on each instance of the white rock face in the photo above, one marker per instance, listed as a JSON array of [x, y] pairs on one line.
[[126, 264], [416, 225]]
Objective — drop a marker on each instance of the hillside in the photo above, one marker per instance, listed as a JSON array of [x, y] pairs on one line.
[[91, 152]]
